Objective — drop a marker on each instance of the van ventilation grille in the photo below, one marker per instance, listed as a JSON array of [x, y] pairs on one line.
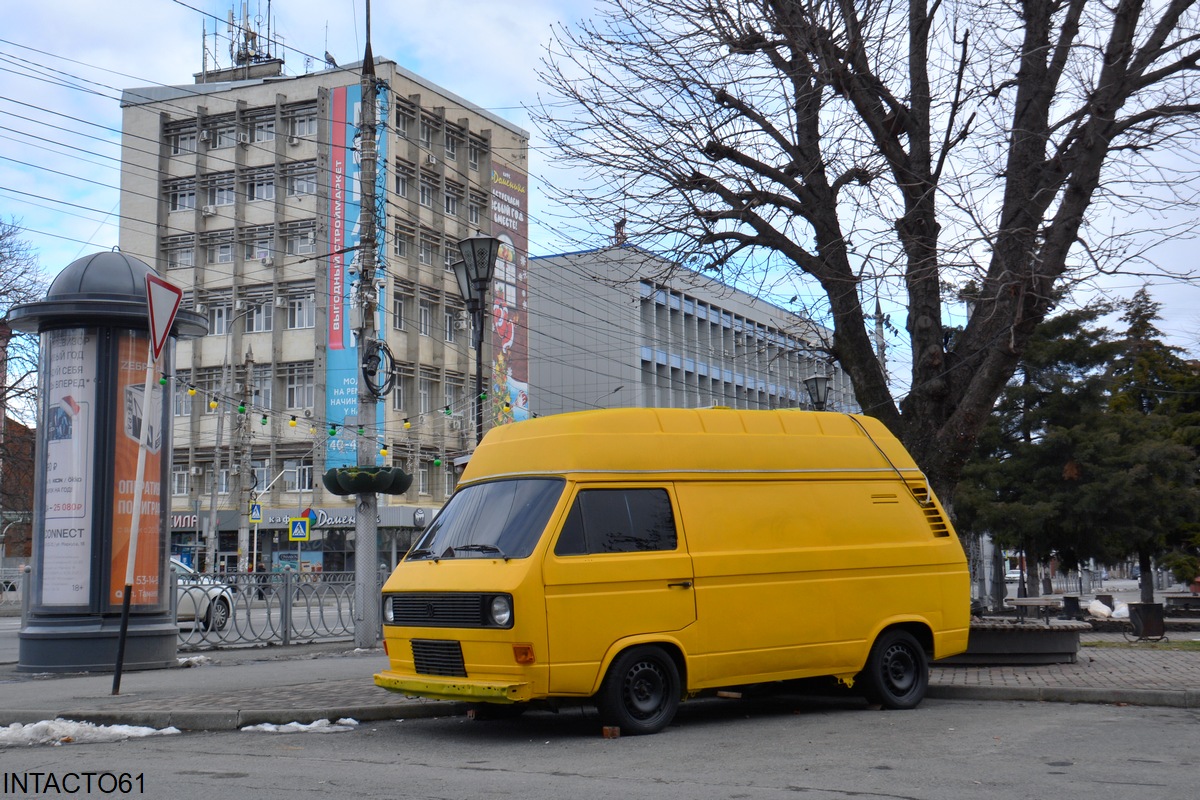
[[438, 657], [937, 523], [438, 609]]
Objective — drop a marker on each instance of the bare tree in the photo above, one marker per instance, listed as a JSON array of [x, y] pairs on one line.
[[21, 281], [876, 148]]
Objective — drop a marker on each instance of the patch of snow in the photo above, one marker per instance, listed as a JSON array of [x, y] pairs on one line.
[[320, 726], [194, 661], [64, 731]]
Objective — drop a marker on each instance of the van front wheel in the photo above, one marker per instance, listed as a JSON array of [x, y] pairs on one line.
[[897, 671], [640, 693]]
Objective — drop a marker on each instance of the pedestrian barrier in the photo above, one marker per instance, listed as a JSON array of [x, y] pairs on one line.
[[264, 608]]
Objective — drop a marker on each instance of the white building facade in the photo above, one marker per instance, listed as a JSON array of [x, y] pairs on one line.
[[621, 327], [243, 190]]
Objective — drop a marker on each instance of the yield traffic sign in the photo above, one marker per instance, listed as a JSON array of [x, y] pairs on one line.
[[163, 301]]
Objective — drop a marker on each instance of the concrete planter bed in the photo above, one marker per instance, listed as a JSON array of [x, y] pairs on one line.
[[995, 640]]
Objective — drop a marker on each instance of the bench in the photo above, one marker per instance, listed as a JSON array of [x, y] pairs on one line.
[[1181, 601], [1042, 605]]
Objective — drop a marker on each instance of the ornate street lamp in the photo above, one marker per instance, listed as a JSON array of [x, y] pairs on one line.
[[474, 274], [818, 390]]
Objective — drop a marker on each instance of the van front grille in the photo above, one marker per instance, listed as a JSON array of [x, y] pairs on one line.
[[438, 609], [438, 657]]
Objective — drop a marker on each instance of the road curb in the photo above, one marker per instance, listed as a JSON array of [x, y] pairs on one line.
[[232, 720], [1171, 698]]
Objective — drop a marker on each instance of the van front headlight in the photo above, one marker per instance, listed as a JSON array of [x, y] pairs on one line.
[[500, 611], [389, 613]]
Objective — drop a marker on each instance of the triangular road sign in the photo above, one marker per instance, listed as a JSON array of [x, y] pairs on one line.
[[163, 301]]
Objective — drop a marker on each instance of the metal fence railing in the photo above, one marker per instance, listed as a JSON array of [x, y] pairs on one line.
[[263, 608], [227, 609]]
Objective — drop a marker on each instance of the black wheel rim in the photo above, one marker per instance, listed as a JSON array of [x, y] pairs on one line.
[[644, 689], [899, 670]]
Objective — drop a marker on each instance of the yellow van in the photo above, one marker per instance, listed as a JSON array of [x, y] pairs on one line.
[[635, 557]]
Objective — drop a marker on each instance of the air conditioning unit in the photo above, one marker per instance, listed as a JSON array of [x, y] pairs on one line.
[[196, 471], [308, 413], [281, 302], [208, 211], [244, 138], [236, 469], [205, 136], [293, 140], [456, 424], [461, 324], [200, 308], [240, 305], [431, 159], [268, 261]]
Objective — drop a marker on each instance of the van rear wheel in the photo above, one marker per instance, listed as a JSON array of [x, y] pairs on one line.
[[640, 693], [897, 671]]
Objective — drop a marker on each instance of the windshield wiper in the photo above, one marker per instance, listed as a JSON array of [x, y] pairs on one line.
[[418, 553], [481, 548]]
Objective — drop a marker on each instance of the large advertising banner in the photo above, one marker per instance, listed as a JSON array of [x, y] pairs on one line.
[[346, 214], [510, 298], [67, 535], [134, 410]]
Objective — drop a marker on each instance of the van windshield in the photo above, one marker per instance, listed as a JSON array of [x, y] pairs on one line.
[[500, 519]]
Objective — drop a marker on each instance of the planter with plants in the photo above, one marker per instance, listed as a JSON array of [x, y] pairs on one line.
[[357, 480]]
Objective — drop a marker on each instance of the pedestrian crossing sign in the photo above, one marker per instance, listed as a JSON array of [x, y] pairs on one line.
[[255, 513], [298, 529]]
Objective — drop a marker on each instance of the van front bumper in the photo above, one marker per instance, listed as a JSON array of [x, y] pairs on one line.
[[461, 690]]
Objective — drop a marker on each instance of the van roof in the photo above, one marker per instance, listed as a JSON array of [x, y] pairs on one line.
[[677, 440]]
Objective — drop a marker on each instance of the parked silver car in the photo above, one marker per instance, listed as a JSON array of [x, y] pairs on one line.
[[202, 599]]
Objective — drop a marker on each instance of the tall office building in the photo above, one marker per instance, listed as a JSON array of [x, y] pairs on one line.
[[622, 327], [243, 189]]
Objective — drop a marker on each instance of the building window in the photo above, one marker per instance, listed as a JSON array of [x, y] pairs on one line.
[[261, 384], [426, 193], [183, 143], [224, 136], [179, 480], [451, 146], [425, 395], [223, 481], [262, 473], [450, 322], [300, 243], [302, 180], [425, 251], [398, 390], [303, 124], [302, 312], [474, 214], [259, 318], [426, 134], [423, 477], [221, 191], [474, 154], [260, 188], [425, 318], [300, 387], [258, 248], [220, 253], [181, 196], [297, 475], [405, 173], [181, 253], [264, 130], [398, 311], [218, 320], [183, 400], [451, 205]]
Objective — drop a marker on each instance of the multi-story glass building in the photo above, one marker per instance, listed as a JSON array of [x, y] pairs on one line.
[[243, 189]]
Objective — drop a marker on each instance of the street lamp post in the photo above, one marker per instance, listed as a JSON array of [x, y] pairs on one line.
[[818, 390], [474, 273]]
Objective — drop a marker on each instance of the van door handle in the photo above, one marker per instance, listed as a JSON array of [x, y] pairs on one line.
[[680, 585]]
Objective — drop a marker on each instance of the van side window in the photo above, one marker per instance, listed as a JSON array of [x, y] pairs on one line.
[[617, 521]]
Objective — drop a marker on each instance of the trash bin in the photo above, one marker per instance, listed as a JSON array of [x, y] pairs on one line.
[[1147, 621]]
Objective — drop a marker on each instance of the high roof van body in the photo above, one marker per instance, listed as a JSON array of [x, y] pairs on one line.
[[635, 557]]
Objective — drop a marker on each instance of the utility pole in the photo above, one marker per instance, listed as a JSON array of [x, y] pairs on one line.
[[366, 527], [243, 540]]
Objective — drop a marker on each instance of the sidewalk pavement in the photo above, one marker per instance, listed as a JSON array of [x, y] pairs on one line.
[[229, 689]]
